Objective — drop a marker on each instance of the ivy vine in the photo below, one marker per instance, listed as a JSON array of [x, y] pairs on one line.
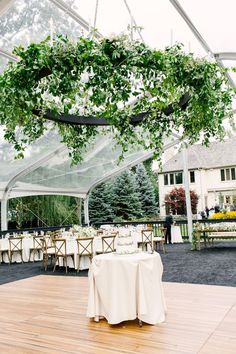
[[114, 78]]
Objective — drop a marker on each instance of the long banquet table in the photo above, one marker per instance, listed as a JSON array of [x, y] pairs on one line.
[[126, 287]]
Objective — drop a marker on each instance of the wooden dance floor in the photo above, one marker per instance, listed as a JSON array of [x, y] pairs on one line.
[[46, 314]]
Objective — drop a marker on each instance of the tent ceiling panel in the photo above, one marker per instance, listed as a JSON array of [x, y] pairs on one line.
[[3, 63], [160, 24], [215, 20], [99, 163], [11, 167], [29, 21], [26, 21]]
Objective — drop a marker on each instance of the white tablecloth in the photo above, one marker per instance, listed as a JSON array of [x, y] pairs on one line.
[[125, 287], [27, 243], [176, 234]]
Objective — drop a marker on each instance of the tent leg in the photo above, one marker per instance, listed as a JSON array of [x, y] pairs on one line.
[[187, 195], [86, 211], [4, 225]]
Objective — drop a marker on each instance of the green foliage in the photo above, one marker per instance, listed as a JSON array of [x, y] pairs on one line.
[[175, 201], [146, 191], [126, 204], [99, 78], [44, 211], [153, 178], [100, 204]]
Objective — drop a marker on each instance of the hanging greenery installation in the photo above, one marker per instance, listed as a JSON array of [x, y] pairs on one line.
[[114, 79]]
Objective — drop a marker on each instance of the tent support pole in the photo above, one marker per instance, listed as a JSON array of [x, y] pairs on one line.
[[86, 210], [187, 195], [4, 223]]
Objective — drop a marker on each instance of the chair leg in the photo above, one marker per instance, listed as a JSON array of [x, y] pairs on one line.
[[56, 258], [78, 263], [163, 247], [21, 254], [66, 263], [45, 262]]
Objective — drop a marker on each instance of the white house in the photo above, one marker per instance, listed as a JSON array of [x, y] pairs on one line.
[[212, 174]]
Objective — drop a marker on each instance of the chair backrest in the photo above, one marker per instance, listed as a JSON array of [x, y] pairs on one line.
[[85, 246], [15, 244], [149, 227], [147, 237], [56, 234], [37, 243], [46, 243], [60, 246], [108, 243]]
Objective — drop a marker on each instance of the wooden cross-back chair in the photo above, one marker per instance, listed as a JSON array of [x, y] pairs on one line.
[[37, 247], [108, 244], [85, 248], [159, 240], [61, 252], [147, 239], [48, 250], [15, 246]]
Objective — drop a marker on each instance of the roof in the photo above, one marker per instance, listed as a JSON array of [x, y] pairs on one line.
[[217, 154]]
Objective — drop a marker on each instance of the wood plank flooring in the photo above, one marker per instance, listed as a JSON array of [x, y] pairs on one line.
[[46, 314]]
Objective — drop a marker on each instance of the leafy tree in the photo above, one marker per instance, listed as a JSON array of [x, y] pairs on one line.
[[146, 191], [100, 209], [126, 203], [175, 201], [43, 211]]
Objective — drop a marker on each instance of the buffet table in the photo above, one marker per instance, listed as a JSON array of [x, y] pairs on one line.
[[126, 287], [210, 235]]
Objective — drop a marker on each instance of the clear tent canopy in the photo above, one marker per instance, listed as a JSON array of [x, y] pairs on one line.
[[204, 28]]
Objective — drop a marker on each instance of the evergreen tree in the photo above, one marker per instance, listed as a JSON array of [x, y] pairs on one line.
[[146, 191], [153, 178], [100, 209], [126, 202]]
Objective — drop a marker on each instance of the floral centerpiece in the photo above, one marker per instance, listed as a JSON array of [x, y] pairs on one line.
[[81, 231]]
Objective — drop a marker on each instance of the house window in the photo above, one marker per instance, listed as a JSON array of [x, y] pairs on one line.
[[222, 174], [233, 173], [227, 173], [179, 178], [172, 178], [192, 177], [166, 179]]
